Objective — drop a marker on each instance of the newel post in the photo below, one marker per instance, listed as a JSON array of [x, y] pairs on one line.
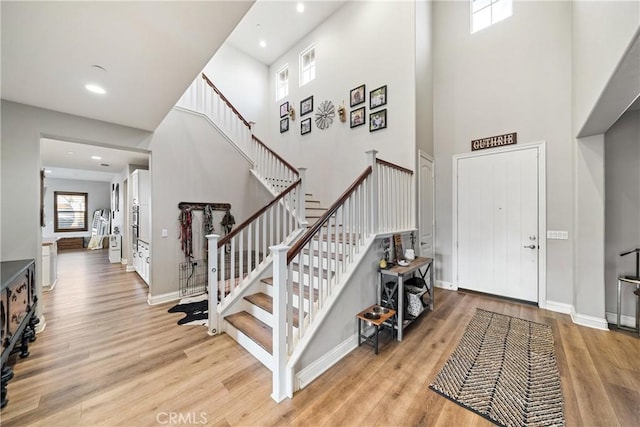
[[302, 195], [212, 268], [279, 256], [371, 159]]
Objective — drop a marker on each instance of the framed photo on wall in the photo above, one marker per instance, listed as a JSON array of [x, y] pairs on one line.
[[357, 117], [378, 97], [284, 109], [284, 125], [356, 96], [305, 126], [377, 120], [306, 106]]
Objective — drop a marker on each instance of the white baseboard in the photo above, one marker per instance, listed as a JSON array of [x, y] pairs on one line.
[[41, 325], [589, 321], [130, 269], [628, 321], [124, 261], [446, 285], [559, 307], [322, 364], [162, 298]]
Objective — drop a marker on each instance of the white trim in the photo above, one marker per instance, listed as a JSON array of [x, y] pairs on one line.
[[430, 159], [446, 285], [250, 345], [124, 261], [589, 321], [558, 307], [41, 325], [130, 269], [207, 118], [324, 362], [628, 321], [542, 211], [162, 298]]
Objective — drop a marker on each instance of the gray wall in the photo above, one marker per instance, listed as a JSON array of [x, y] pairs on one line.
[[192, 162], [622, 207], [99, 197], [510, 77]]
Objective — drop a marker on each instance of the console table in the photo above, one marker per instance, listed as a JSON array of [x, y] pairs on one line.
[[18, 318], [398, 275]]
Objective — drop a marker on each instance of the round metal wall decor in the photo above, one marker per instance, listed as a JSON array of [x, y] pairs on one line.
[[325, 114]]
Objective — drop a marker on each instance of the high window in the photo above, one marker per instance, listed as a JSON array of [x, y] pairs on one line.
[[488, 12], [282, 82], [307, 65], [69, 211]]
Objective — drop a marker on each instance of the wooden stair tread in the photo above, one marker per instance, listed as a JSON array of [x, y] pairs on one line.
[[265, 302], [257, 330], [296, 288]]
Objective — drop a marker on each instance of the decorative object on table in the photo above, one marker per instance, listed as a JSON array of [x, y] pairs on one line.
[[397, 247], [284, 125], [378, 97], [325, 114], [305, 126], [356, 96], [504, 369], [292, 113], [284, 109], [377, 120], [357, 117], [385, 244], [306, 106], [342, 113], [410, 254]]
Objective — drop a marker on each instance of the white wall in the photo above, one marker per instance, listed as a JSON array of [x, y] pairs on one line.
[[99, 197], [514, 76], [622, 206], [369, 43], [244, 81], [424, 77], [192, 162]]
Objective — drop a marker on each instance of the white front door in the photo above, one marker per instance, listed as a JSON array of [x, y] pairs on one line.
[[497, 223], [425, 205]]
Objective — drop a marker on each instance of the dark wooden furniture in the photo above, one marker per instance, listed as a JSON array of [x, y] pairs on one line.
[[18, 319], [70, 243]]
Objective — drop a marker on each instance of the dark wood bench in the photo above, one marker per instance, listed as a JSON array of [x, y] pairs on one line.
[[70, 243]]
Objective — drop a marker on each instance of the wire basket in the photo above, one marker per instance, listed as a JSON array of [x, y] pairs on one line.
[[193, 277]]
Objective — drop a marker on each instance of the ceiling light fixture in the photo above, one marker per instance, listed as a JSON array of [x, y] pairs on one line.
[[70, 153], [95, 89], [300, 7], [263, 43], [96, 157]]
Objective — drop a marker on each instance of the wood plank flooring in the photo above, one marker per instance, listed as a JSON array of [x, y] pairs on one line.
[[106, 358]]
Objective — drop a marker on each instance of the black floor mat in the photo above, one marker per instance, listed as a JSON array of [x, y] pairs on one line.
[[189, 307], [196, 315]]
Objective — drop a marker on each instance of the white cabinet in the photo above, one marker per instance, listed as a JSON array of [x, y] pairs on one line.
[[49, 263], [140, 190], [141, 260]]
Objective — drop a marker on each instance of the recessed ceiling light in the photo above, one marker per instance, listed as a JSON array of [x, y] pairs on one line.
[[263, 43], [95, 89], [96, 157], [300, 7], [48, 171], [70, 153]]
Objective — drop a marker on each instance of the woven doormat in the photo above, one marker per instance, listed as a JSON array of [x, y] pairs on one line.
[[505, 370]]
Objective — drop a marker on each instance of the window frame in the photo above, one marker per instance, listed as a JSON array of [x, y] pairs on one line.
[[311, 68], [285, 86], [490, 7], [56, 225]]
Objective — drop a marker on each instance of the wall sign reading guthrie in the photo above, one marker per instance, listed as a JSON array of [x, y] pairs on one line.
[[494, 141]]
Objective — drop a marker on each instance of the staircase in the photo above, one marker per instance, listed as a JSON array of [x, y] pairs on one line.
[[283, 268]]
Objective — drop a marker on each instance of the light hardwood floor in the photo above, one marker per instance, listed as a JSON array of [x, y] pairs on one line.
[[106, 358]]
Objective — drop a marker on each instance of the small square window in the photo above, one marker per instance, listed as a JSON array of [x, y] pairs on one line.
[[307, 65], [282, 83]]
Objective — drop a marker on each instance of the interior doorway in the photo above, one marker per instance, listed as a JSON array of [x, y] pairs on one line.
[[426, 205], [499, 222]]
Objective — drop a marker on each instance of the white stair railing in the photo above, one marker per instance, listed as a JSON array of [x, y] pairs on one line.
[[276, 173], [335, 239]]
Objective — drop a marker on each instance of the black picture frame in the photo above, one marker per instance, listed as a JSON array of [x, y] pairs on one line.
[[305, 126], [284, 109], [377, 120], [357, 96], [306, 106], [284, 125], [378, 97], [357, 117]]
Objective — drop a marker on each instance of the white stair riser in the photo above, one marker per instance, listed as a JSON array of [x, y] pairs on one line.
[[258, 352], [326, 263]]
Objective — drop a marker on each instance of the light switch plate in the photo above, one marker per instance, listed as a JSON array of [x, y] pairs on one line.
[[165, 233], [557, 235]]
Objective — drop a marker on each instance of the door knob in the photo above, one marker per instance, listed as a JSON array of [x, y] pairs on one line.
[[531, 246]]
